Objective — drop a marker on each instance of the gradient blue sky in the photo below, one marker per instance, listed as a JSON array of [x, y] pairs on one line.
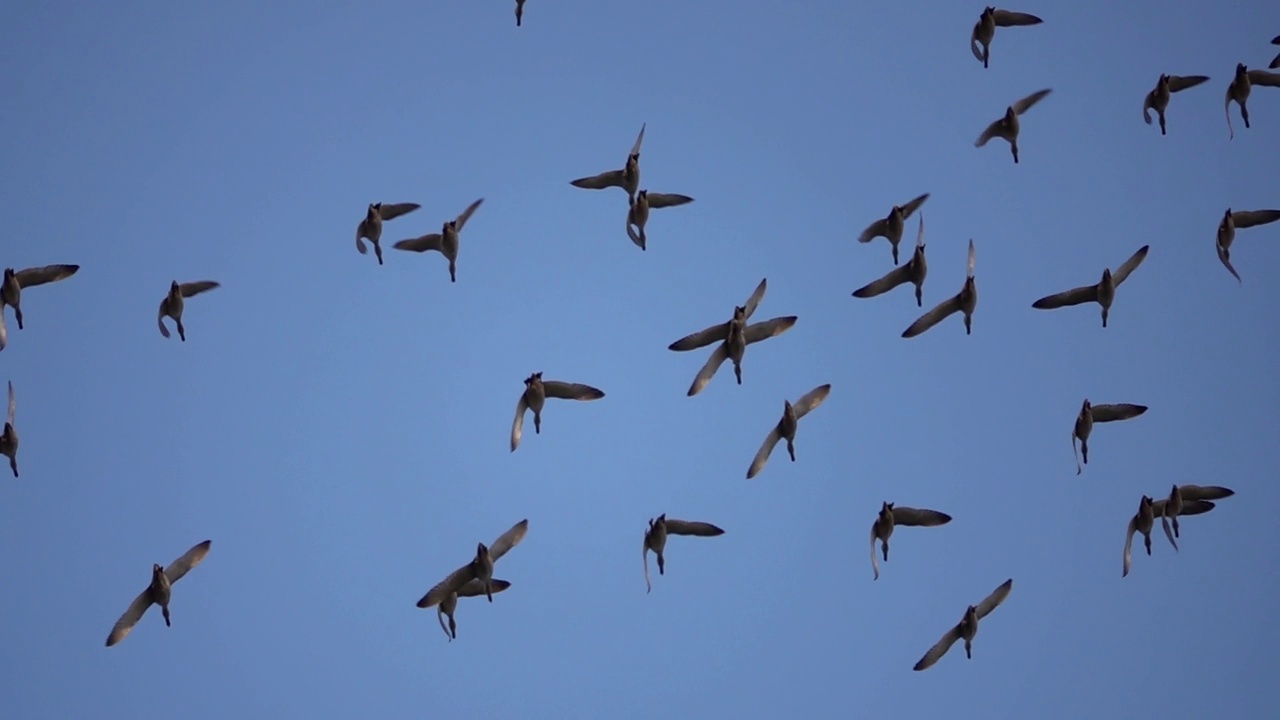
[[339, 429]]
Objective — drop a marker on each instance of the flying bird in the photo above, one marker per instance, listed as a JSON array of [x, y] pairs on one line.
[[913, 272], [967, 628], [1007, 127], [655, 539], [1241, 85], [159, 592], [15, 281], [734, 337], [1179, 497], [891, 226], [638, 213], [174, 302], [628, 178], [1104, 293], [965, 301], [449, 604], [984, 31], [892, 516], [371, 226], [536, 392], [1158, 99], [1240, 219], [480, 568], [1144, 520], [444, 242], [786, 427], [1090, 414]]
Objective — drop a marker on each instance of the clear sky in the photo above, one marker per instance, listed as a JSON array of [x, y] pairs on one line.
[[340, 429]]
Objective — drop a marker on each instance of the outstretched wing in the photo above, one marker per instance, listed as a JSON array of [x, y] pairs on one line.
[[762, 455], [1189, 492], [1116, 411], [933, 317], [195, 288], [875, 565], [769, 328], [466, 215], [612, 178], [189, 560], [508, 539], [449, 585], [992, 601], [702, 338], [919, 517], [992, 130], [939, 649], [1225, 258], [891, 280], [811, 400], [753, 302], [1074, 296], [1128, 545], [47, 274], [913, 205], [1263, 77], [517, 425], [1249, 218], [1130, 265], [571, 391], [422, 243], [1008, 18], [692, 527], [390, 211], [879, 228], [1029, 101], [718, 356], [130, 617], [662, 200], [1178, 83]]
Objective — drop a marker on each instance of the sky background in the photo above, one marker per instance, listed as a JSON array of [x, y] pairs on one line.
[[340, 430]]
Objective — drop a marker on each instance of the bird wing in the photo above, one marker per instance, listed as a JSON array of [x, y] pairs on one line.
[[422, 243], [449, 585], [762, 455], [919, 517], [879, 228], [1130, 265], [939, 649], [1074, 296], [992, 601], [195, 288], [189, 559], [891, 280], [1116, 411], [1178, 83], [702, 338], [1249, 218], [1075, 451], [46, 274], [911, 207], [1148, 103], [517, 425], [1264, 77], [1168, 531], [1189, 492], [1196, 507], [875, 565], [391, 211], [466, 215], [749, 307], [475, 588], [635, 149], [612, 178], [1226, 262], [993, 130], [811, 400], [571, 391], [692, 527], [647, 584], [508, 539], [164, 307], [1128, 544], [1009, 18], [933, 317], [13, 403], [1029, 101], [4, 332], [130, 617], [661, 200], [973, 259], [708, 370], [769, 328]]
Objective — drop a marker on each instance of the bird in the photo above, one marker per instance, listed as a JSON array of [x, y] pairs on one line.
[[444, 242], [449, 604], [967, 628], [481, 568], [519, 16], [965, 301], [638, 212], [891, 516], [655, 539], [984, 31], [1007, 127], [628, 178], [913, 272], [158, 592], [1241, 85], [15, 281], [1158, 99], [1104, 293], [1144, 520], [1090, 414], [536, 392], [891, 226], [1239, 219], [1178, 498], [786, 427], [734, 337], [9, 439], [371, 226], [172, 304]]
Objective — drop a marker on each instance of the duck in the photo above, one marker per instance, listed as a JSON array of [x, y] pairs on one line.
[[449, 604], [480, 568], [984, 31], [891, 226], [1227, 231], [16, 280], [1241, 85], [371, 226], [1007, 127], [638, 213], [913, 272], [9, 438], [1158, 99], [967, 628], [628, 178], [655, 539], [734, 336], [1104, 293], [159, 591], [1090, 414], [1179, 497], [786, 427], [892, 516], [1144, 521], [172, 304], [536, 392], [444, 242], [965, 301]]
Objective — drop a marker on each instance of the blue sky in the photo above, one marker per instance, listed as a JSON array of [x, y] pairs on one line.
[[340, 429]]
